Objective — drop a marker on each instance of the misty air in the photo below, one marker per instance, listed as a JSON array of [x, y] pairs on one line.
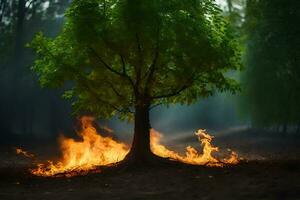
[[156, 99]]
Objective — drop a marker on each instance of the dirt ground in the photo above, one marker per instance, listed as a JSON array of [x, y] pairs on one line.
[[273, 173], [249, 180]]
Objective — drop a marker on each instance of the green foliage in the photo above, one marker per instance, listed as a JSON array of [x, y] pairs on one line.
[[271, 80], [115, 55]]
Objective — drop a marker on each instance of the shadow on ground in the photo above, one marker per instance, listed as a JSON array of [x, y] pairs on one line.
[[248, 180]]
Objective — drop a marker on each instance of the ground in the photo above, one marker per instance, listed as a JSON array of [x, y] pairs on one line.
[[249, 180], [274, 177]]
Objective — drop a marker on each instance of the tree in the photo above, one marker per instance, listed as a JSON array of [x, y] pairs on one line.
[[271, 81], [19, 21], [15, 15], [235, 14], [124, 57]]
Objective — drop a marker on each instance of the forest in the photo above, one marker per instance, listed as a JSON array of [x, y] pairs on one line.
[[90, 84], [268, 80]]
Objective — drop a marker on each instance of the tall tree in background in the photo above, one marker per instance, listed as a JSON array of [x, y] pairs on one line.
[[17, 15], [272, 78], [19, 20], [124, 57], [235, 14]]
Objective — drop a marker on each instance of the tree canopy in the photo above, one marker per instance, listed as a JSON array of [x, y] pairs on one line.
[[115, 55]]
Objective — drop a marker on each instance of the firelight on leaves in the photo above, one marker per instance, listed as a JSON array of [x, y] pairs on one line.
[[96, 150]]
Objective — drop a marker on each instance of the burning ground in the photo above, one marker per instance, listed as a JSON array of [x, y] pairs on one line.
[[95, 150], [210, 177]]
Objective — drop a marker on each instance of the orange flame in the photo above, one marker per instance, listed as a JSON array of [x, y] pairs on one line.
[[192, 156], [24, 153], [95, 150]]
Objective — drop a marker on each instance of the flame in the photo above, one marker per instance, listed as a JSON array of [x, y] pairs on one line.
[[95, 150], [192, 156], [24, 153]]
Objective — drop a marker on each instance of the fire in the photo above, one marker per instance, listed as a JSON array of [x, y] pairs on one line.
[[24, 153], [192, 156], [96, 150]]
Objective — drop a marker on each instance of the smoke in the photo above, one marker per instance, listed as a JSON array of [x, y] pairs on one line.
[[215, 114]]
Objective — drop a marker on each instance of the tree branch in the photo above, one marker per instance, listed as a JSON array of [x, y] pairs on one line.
[[114, 89], [123, 65], [188, 84], [138, 68], [173, 93], [87, 86], [3, 5], [85, 81], [152, 67], [125, 75], [155, 105], [104, 63]]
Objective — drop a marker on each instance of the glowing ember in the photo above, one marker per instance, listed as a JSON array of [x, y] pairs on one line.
[[24, 153], [95, 150]]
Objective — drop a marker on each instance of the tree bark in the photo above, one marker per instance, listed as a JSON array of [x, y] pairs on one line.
[[140, 152]]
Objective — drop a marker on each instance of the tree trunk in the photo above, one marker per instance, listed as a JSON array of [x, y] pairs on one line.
[[229, 4], [17, 67], [140, 152], [19, 30]]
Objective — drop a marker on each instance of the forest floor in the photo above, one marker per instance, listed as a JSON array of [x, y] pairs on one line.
[[272, 172], [250, 180]]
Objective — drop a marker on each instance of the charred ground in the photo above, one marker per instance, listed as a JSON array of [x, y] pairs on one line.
[[269, 177], [252, 180]]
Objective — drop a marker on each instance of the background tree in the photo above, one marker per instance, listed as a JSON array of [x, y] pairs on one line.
[[127, 56], [21, 97], [235, 13], [271, 79]]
